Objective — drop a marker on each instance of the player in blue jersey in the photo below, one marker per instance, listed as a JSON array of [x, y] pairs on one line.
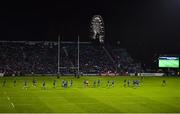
[[71, 83], [94, 83], [99, 83], [44, 84], [54, 83], [112, 83], [128, 82], [63, 83], [164, 83]]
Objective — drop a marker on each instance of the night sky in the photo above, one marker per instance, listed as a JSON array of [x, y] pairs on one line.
[[144, 27]]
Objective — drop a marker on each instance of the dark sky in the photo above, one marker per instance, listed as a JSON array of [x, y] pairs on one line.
[[151, 26]]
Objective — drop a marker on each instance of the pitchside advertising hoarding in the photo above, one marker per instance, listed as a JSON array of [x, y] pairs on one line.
[[168, 62]]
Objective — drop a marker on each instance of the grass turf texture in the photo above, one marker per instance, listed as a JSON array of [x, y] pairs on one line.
[[149, 97]]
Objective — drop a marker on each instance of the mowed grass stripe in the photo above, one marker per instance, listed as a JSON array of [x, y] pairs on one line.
[[151, 97]]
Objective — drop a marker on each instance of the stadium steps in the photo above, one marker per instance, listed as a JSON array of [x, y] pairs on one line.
[[110, 57]]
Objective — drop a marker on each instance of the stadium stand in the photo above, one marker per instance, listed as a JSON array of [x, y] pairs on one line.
[[33, 57]]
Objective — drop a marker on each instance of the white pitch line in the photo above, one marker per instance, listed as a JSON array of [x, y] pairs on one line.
[[8, 98], [24, 104], [12, 105]]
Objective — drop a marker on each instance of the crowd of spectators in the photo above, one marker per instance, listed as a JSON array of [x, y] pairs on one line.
[[19, 58], [125, 62]]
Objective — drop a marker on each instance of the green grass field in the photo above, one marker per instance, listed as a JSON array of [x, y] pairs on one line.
[[149, 97]]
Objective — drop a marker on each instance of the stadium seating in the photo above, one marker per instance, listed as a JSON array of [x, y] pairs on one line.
[[21, 57]]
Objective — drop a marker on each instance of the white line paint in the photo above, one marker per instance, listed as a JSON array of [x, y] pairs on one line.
[[12, 105], [8, 98], [23, 104]]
